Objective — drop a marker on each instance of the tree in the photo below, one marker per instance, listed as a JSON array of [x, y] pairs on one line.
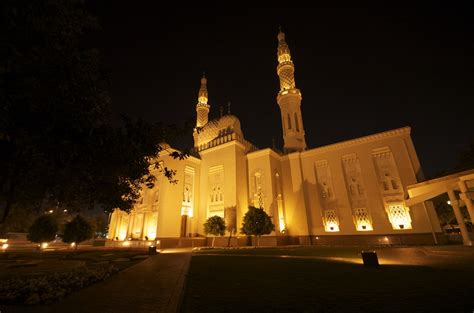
[[43, 229], [60, 148], [77, 230], [214, 225], [257, 223]]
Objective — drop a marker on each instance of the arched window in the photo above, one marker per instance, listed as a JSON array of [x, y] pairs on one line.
[[297, 125], [289, 121]]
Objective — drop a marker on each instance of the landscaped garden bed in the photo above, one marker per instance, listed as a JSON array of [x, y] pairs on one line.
[[45, 277]]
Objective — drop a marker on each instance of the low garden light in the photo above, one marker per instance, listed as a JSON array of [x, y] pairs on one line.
[[370, 258], [73, 244], [152, 250], [44, 245], [4, 246], [126, 243]]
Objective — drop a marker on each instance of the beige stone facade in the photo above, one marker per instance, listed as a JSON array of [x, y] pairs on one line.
[[353, 191]]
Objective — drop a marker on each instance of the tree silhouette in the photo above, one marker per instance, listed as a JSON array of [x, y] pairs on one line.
[[257, 223]]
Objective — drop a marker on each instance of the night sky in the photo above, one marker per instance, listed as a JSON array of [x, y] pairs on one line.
[[360, 70]]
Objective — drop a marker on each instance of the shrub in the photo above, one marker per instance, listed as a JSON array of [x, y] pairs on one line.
[[77, 230], [257, 223], [215, 225], [43, 229], [52, 287]]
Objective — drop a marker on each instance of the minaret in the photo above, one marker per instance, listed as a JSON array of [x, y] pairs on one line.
[[202, 108], [289, 100]]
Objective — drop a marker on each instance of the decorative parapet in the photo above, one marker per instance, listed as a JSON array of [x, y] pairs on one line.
[[404, 131]]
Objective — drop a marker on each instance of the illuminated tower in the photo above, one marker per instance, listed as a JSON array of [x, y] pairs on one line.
[[202, 108], [289, 100]]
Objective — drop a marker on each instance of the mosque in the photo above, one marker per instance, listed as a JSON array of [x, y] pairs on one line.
[[350, 192]]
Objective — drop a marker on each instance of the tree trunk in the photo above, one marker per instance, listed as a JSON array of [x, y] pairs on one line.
[[228, 242], [213, 238], [9, 202]]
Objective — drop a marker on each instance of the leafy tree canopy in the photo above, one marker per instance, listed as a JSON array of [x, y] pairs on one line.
[[215, 225], [59, 145], [43, 229], [77, 230], [257, 222]]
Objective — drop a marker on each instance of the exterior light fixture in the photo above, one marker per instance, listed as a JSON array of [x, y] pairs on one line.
[[4, 246], [44, 245], [73, 244]]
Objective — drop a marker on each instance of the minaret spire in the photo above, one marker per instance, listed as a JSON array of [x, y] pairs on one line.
[[289, 99], [202, 108]]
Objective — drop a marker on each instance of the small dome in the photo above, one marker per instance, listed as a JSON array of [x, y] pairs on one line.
[[215, 128]]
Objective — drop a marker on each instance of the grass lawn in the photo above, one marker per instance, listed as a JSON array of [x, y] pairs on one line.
[[244, 283]]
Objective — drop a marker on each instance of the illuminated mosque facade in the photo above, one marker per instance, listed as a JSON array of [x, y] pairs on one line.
[[347, 192]]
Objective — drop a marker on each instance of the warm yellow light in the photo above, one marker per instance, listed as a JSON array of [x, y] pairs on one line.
[[399, 216], [332, 227], [364, 227], [65, 210], [4, 246], [123, 232], [50, 211], [44, 245], [282, 224], [73, 244], [3, 240], [448, 202], [126, 243]]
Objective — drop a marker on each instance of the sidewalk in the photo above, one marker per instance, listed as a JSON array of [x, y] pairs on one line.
[[153, 285]]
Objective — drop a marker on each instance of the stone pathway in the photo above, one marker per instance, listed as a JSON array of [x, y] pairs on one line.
[[153, 285]]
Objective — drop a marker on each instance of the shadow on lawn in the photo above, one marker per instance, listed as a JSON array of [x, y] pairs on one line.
[[263, 284]]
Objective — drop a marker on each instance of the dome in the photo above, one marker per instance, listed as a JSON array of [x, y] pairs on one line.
[[224, 125]]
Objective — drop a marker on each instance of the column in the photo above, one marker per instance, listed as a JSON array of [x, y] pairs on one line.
[[459, 218], [466, 198]]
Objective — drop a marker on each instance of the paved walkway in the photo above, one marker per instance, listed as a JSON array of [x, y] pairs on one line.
[[153, 285]]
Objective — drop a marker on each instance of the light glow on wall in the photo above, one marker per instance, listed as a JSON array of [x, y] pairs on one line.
[[362, 220], [186, 210], [123, 232], [331, 221], [151, 233], [399, 216], [364, 226], [332, 227], [282, 224]]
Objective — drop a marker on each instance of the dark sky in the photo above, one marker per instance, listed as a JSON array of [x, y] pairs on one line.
[[360, 70]]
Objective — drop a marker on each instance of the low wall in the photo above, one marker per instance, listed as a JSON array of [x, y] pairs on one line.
[[242, 241]]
